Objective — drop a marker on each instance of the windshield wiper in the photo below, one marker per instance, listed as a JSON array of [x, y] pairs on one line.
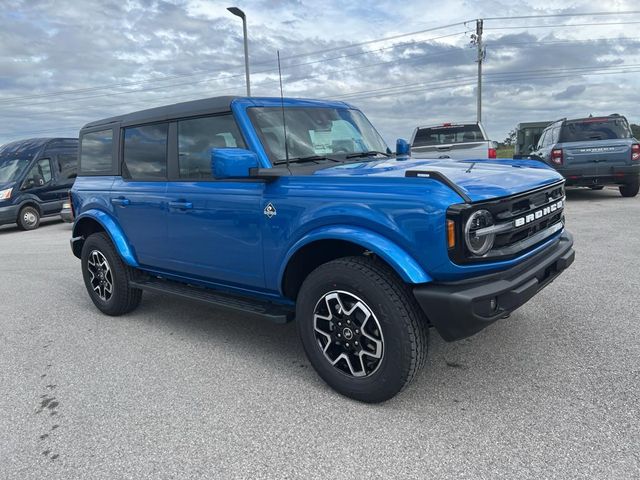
[[370, 153], [310, 158]]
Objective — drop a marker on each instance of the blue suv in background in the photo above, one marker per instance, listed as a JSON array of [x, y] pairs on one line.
[[593, 152], [289, 208], [35, 178]]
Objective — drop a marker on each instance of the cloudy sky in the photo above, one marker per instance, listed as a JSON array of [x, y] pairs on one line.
[[65, 63]]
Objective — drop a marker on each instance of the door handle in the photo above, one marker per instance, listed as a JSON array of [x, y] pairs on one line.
[[181, 205], [121, 201]]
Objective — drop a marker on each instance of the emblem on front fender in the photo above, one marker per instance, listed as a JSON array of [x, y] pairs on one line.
[[270, 210]]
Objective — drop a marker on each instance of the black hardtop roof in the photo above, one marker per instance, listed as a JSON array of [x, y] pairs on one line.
[[193, 108], [33, 145]]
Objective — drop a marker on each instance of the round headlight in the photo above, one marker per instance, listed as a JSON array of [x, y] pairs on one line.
[[479, 244]]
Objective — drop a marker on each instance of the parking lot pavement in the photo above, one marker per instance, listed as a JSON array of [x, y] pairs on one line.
[[182, 390]]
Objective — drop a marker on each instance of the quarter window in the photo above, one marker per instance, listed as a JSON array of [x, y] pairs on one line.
[[198, 136], [145, 152], [97, 152]]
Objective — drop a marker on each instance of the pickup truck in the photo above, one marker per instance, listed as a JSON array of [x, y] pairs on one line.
[[593, 152], [297, 209], [452, 140]]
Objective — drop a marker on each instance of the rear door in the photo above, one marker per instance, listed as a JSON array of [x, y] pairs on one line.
[[139, 196]]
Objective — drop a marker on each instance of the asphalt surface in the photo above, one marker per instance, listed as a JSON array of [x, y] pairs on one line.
[[182, 390]]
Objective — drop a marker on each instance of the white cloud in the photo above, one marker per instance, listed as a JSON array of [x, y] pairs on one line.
[[118, 57]]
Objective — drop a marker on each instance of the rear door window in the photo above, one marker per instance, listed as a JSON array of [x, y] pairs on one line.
[[590, 129], [145, 152], [447, 134], [96, 157], [198, 136]]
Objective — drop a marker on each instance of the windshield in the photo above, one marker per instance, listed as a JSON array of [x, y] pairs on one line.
[[595, 129], [12, 168], [314, 132], [445, 134]]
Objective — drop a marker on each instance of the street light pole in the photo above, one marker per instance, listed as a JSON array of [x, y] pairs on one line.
[[239, 13]]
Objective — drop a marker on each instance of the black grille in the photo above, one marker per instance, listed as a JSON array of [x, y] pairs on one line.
[[521, 222]]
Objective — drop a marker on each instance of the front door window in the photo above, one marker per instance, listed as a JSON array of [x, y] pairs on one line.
[[39, 175]]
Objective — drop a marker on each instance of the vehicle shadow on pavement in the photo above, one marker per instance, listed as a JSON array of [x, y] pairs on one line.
[[587, 195], [265, 345], [44, 223]]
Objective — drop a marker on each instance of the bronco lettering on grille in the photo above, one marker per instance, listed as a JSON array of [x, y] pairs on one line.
[[543, 212]]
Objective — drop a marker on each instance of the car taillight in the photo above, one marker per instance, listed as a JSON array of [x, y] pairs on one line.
[[556, 156], [493, 153], [635, 152], [73, 212]]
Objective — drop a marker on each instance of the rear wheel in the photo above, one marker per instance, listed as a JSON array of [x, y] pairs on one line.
[[361, 328], [107, 277], [28, 218], [630, 189]]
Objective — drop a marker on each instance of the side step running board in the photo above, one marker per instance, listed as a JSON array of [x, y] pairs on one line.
[[271, 311]]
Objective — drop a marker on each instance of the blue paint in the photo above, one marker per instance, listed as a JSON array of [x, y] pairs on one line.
[[215, 232], [229, 163], [114, 231]]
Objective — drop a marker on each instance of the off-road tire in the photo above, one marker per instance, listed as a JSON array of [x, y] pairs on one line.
[[28, 218], [123, 299], [402, 323]]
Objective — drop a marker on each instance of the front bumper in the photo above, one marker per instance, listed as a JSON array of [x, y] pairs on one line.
[[66, 215], [461, 309], [8, 214]]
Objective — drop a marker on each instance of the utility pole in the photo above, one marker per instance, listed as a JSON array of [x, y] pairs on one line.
[[480, 46]]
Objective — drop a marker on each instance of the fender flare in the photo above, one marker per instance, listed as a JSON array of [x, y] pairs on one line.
[[113, 230], [403, 263]]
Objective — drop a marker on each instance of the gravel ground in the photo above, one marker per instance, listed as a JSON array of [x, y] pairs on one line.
[[182, 390]]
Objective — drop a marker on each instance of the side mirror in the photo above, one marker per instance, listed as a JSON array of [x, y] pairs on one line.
[[402, 147], [28, 183], [531, 148], [232, 162]]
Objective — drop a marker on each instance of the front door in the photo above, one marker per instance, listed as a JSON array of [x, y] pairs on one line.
[[39, 182], [214, 227], [214, 231]]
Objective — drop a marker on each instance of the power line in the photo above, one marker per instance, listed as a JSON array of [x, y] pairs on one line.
[[411, 88], [7, 101], [513, 75], [554, 15], [204, 72], [563, 25]]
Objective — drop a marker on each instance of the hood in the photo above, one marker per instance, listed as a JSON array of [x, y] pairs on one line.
[[478, 179], [5, 185]]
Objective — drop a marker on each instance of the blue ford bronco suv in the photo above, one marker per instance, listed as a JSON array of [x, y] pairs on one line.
[[297, 209]]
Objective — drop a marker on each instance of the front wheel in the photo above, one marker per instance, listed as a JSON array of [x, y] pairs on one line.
[[361, 328], [28, 218], [107, 277], [630, 189]]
